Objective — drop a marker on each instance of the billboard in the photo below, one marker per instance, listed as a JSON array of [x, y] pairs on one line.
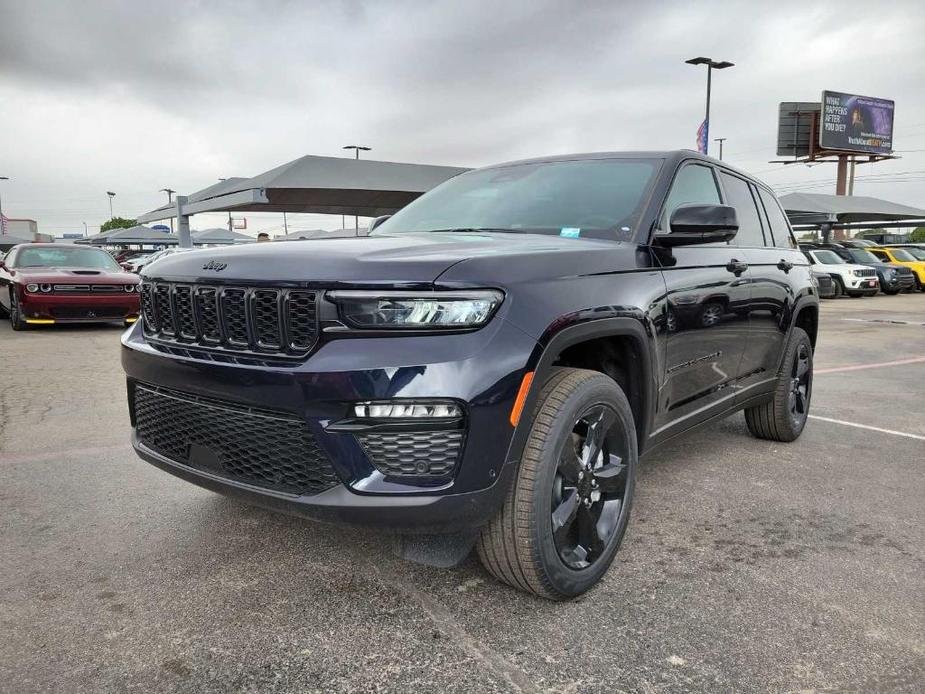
[[796, 123], [854, 123]]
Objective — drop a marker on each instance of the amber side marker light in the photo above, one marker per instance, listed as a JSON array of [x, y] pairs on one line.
[[521, 398]]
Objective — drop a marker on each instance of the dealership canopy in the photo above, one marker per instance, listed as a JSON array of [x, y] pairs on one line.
[[7, 241], [219, 235], [139, 235], [310, 184], [817, 208]]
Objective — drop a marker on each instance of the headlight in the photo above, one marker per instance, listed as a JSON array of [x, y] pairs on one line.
[[856, 273], [45, 288], [131, 288], [32, 287], [385, 310]]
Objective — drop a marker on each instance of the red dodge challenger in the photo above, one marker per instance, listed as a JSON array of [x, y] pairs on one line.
[[43, 284]]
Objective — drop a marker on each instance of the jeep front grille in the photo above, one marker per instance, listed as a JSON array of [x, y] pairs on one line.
[[866, 273], [249, 320]]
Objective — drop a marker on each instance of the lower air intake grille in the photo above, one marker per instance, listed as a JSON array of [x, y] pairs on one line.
[[259, 447], [416, 454]]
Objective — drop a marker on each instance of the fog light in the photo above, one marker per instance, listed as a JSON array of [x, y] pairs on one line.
[[407, 409]]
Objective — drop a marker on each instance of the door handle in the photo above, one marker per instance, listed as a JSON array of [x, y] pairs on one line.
[[736, 267], [785, 265]]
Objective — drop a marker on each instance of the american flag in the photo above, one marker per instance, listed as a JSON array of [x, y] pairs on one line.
[[702, 135]]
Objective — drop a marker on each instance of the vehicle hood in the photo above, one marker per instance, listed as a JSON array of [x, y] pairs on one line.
[[404, 258], [840, 267], [73, 275]]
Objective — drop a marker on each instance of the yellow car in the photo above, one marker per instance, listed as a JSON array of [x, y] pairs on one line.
[[913, 258]]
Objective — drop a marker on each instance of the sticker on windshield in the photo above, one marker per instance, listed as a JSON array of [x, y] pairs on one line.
[[570, 232]]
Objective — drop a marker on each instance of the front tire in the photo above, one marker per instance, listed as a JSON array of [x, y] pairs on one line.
[[16, 320], [567, 510], [784, 416], [839, 287]]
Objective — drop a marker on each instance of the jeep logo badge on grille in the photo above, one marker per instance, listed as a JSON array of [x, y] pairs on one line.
[[212, 265]]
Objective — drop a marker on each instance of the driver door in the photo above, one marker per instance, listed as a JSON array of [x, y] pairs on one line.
[[708, 293]]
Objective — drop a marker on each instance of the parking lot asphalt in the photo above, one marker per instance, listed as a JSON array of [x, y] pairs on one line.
[[748, 565]]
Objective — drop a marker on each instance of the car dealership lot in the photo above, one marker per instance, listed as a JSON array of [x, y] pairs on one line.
[[748, 565]]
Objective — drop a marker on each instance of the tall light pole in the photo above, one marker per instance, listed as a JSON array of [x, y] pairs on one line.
[[111, 196], [85, 229], [2, 218], [170, 192], [357, 149], [711, 65], [721, 140]]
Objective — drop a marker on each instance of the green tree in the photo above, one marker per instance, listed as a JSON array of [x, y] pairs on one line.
[[118, 223], [918, 235]]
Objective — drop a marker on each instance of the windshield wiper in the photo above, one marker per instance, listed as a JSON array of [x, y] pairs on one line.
[[475, 230]]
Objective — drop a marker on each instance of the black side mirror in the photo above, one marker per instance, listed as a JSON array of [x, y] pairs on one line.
[[694, 223], [377, 221]]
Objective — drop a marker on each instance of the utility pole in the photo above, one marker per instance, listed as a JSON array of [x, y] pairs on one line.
[[2, 218], [721, 140], [711, 65], [285, 225], [356, 218], [85, 229], [171, 191], [111, 196]]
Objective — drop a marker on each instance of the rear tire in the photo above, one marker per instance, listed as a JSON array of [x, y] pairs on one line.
[[839, 287], [567, 510], [784, 416], [891, 292]]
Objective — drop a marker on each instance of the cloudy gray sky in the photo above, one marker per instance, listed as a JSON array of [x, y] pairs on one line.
[[136, 96]]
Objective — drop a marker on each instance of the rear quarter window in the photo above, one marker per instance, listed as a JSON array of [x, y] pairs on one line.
[[780, 226]]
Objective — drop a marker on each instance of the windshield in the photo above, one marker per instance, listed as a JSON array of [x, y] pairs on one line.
[[916, 253], [828, 258], [599, 198], [861, 256], [903, 255], [90, 258]]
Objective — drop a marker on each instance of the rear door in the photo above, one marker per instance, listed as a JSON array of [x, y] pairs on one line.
[[779, 273], [707, 299]]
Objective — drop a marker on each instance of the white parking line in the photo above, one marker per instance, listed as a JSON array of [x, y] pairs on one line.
[[867, 426], [858, 367]]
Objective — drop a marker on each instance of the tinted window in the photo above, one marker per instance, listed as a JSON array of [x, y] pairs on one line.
[[780, 229], [883, 256], [916, 253], [739, 196], [693, 184], [861, 256], [43, 256], [601, 198], [901, 255], [828, 257]]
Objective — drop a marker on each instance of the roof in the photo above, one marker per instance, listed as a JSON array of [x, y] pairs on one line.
[[312, 184], [136, 234], [220, 235], [847, 208], [8, 240]]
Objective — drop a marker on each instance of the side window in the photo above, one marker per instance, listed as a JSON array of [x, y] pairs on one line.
[[780, 227], [692, 184], [739, 196], [881, 255]]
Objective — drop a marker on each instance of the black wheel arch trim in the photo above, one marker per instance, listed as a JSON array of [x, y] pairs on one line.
[[551, 345]]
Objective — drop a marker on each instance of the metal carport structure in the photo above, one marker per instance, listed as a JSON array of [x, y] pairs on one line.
[[827, 212], [312, 184]]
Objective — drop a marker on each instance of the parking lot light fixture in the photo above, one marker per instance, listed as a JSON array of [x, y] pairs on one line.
[[357, 149], [711, 65], [111, 196]]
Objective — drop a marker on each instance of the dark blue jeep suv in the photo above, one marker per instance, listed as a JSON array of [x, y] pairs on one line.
[[487, 366]]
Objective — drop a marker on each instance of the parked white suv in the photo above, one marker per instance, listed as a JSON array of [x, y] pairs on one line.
[[850, 279]]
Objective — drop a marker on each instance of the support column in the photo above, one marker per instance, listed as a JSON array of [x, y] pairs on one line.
[[842, 175], [183, 232], [826, 231]]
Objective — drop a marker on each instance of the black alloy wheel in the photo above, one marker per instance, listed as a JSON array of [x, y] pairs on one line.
[[801, 383], [784, 416], [589, 488], [567, 510], [711, 315]]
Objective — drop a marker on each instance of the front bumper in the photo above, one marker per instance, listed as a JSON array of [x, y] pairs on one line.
[[55, 308], [481, 370], [863, 283]]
